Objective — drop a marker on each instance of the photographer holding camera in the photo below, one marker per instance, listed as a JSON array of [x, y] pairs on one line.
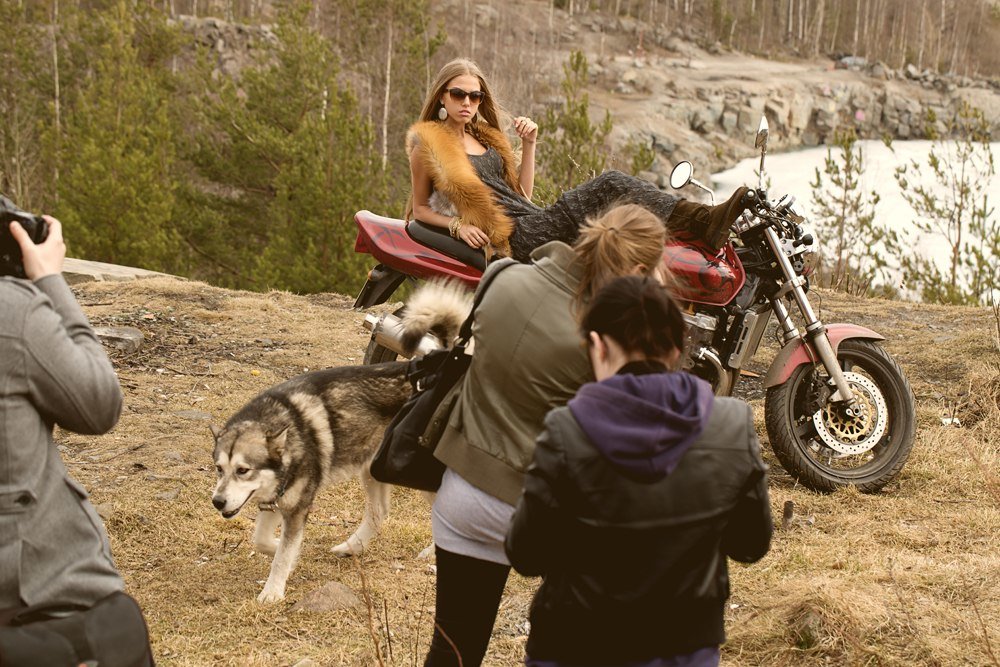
[[61, 597]]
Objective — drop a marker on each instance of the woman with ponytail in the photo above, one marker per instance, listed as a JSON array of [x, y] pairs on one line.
[[528, 360], [640, 489], [468, 182]]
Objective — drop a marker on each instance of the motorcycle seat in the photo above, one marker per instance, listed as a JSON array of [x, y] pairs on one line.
[[438, 239]]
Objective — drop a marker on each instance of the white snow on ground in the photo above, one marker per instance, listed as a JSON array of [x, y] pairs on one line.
[[792, 173]]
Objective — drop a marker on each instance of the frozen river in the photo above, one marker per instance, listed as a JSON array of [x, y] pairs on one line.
[[792, 173]]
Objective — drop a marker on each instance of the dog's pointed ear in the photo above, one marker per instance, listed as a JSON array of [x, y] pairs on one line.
[[276, 441], [216, 431]]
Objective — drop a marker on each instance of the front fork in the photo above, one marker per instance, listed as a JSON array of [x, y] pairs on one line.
[[815, 331]]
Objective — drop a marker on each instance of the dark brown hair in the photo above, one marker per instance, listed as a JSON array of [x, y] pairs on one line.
[[638, 314]]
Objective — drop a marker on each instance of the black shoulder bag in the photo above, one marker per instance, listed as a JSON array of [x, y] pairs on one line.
[[111, 633], [406, 455]]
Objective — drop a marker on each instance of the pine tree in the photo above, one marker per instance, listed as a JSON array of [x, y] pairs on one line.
[[283, 159], [575, 149], [947, 197], [116, 150], [24, 107], [845, 219], [389, 44]]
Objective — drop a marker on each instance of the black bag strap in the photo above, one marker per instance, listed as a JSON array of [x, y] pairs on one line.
[[465, 333]]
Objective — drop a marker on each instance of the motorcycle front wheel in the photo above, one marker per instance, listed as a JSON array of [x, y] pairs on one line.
[[825, 448]]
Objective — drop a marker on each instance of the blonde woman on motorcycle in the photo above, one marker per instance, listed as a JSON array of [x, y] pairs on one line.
[[468, 181]]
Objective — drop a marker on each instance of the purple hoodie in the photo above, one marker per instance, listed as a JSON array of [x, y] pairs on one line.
[[644, 419]]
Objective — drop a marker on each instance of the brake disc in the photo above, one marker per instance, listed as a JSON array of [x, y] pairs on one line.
[[855, 434]]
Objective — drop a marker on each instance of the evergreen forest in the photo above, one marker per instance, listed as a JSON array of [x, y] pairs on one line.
[[115, 121]]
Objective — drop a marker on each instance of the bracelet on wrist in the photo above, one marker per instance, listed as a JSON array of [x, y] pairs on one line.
[[454, 225]]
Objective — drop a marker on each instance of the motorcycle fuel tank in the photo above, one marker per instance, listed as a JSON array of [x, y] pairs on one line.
[[704, 275]]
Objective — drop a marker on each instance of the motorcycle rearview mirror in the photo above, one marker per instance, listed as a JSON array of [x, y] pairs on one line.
[[761, 143], [762, 130], [681, 174]]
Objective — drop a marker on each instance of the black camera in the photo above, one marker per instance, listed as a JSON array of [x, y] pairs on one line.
[[10, 252]]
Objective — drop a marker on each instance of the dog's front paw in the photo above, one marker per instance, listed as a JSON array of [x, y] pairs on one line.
[[267, 547], [347, 548], [270, 595]]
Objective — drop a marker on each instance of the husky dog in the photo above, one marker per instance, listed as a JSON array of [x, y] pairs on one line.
[[315, 429]]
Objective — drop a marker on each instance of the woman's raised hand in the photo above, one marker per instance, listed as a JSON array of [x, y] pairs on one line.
[[526, 128], [43, 259]]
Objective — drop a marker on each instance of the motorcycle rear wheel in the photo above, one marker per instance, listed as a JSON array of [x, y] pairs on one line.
[[824, 450], [377, 354]]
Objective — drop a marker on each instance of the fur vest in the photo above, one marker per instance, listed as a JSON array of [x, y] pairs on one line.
[[457, 187]]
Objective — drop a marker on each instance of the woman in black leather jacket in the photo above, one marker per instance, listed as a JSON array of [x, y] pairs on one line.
[[640, 489]]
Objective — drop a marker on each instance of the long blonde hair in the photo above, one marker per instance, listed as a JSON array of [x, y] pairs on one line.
[[614, 244]]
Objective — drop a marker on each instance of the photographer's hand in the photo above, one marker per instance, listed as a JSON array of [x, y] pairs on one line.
[[43, 259]]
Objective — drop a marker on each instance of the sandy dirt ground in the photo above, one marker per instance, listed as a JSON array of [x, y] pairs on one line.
[[907, 576]]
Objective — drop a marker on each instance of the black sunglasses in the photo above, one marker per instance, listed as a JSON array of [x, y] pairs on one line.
[[458, 95]]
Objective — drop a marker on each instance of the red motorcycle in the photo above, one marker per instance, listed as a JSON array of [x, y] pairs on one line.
[[838, 409]]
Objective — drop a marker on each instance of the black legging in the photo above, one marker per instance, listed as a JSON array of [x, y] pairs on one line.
[[562, 221], [468, 598]]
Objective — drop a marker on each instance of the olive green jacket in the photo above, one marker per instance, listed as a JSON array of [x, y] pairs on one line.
[[528, 358]]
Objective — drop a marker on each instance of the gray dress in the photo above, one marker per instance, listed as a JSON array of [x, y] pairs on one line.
[[535, 226]]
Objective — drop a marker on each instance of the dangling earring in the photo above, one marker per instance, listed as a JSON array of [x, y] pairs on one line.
[[443, 113]]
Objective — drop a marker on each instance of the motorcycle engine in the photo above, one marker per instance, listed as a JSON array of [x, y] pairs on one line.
[[700, 330]]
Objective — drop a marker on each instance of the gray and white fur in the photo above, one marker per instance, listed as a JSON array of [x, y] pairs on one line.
[[315, 429], [437, 307]]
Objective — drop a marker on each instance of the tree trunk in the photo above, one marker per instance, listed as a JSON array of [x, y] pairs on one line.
[[818, 23], [922, 35], [940, 39], [385, 103], [56, 101], [857, 25], [802, 21], [836, 28]]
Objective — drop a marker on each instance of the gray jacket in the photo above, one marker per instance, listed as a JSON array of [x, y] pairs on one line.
[[53, 370]]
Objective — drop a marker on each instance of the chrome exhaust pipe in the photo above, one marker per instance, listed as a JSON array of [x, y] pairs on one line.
[[723, 384], [387, 331]]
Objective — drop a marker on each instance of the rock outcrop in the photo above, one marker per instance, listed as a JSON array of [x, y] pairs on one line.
[[706, 108]]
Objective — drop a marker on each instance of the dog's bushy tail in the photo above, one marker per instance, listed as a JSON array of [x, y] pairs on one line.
[[437, 307]]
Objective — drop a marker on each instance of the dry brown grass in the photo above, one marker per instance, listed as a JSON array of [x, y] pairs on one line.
[[907, 577]]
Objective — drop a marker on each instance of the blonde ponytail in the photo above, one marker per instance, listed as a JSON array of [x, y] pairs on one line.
[[624, 238]]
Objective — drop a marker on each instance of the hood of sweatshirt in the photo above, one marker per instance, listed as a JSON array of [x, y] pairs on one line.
[[644, 422]]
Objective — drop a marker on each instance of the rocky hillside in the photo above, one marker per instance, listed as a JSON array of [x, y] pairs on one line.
[[663, 90]]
